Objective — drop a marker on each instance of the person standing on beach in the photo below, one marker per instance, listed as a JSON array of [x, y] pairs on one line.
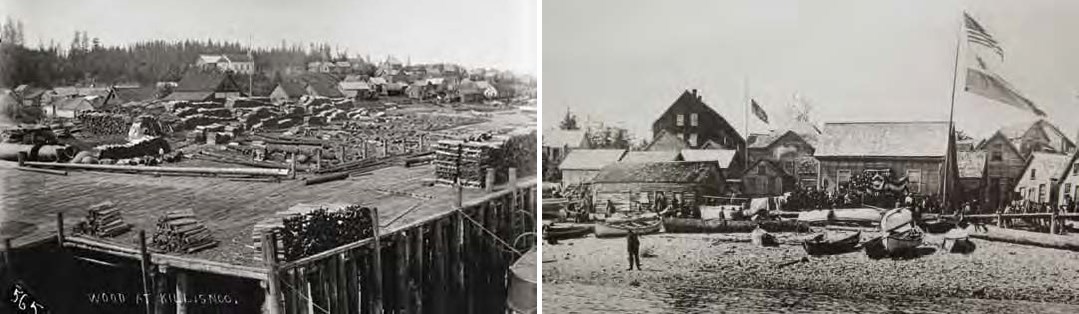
[[633, 244]]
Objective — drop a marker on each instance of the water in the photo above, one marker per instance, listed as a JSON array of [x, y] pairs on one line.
[[579, 298]]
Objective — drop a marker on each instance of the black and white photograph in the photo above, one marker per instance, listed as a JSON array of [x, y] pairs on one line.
[[785, 156], [242, 156]]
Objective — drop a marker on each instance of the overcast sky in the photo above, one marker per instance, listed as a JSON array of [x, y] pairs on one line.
[[489, 33], [624, 62]]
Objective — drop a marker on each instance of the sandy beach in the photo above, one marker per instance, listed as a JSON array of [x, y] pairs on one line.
[[994, 271]]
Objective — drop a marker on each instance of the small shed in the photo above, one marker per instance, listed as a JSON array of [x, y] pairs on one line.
[[766, 178], [629, 186], [581, 165]]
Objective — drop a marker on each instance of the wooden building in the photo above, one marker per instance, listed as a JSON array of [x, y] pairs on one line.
[[1003, 165], [915, 150], [205, 86], [766, 177], [1069, 182], [690, 119], [652, 156], [1039, 179], [728, 160], [581, 165], [1039, 136], [632, 185], [788, 150]]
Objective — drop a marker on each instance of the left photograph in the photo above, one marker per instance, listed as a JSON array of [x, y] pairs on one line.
[[268, 157]]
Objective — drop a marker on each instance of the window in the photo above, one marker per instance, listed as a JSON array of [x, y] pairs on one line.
[[680, 136], [1041, 193], [1067, 189], [680, 120], [842, 176], [693, 139], [1075, 169], [761, 171], [997, 153], [914, 179], [693, 119], [1033, 173], [750, 184]]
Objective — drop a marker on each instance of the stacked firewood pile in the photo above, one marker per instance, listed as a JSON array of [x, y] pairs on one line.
[[200, 113], [103, 123], [469, 159], [234, 103], [103, 220], [320, 230], [156, 146], [179, 231]]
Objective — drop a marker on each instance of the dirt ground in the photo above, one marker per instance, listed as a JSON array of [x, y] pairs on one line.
[[993, 271]]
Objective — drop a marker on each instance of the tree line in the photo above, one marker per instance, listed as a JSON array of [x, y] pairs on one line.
[[88, 61]]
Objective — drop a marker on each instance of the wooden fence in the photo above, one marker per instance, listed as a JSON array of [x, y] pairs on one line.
[[456, 262]]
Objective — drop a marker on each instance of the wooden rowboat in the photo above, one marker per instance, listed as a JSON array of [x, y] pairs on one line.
[[621, 229], [822, 244], [553, 207], [903, 239], [560, 232]]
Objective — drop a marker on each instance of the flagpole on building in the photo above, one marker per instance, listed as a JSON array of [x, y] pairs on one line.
[[951, 120]]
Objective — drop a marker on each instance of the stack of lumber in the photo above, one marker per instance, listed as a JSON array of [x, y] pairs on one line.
[[179, 231], [103, 123], [103, 220], [192, 121], [246, 102]]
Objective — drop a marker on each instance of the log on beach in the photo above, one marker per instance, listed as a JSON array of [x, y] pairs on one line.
[[689, 225], [326, 178], [1028, 238]]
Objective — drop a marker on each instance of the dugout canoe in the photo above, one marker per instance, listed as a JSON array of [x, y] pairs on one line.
[[857, 215], [622, 228], [903, 239], [831, 243], [691, 225], [559, 232]]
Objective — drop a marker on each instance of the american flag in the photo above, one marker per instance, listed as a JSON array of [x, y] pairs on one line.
[[977, 34]]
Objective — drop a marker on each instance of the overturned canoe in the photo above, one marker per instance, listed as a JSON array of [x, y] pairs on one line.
[[857, 215], [815, 216], [621, 229], [690, 225]]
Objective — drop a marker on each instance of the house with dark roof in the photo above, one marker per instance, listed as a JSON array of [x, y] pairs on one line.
[[652, 156], [1042, 173], [914, 150], [666, 141], [634, 186], [766, 177], [1004, 165], [1039, 136], [690, 119], [581, 165], [205, 86], [786, 149]]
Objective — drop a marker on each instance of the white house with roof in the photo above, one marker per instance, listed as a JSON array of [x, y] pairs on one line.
[[238, 63], [581, 165]]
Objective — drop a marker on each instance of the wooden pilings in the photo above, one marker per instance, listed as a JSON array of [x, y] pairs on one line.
[[450, 263]]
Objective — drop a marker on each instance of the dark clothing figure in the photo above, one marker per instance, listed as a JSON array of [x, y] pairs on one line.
[[610, 207], [633, 245]]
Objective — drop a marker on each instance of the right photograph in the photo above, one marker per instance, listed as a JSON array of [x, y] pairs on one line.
[[794, 156]]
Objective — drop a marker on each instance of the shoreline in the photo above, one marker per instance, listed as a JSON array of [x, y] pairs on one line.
[[994, 271]]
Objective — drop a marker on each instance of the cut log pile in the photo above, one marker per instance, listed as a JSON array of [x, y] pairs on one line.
[[103, 220], [147, 147], [469, 159], [323, 229], [100, 123], [180, 232]]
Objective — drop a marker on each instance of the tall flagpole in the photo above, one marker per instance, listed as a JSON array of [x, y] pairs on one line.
[[745, 111], [951, 121]]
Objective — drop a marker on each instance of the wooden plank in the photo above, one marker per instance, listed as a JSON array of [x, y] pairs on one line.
[[403, 295], [182, 287], [169, 260], [1028, 238], [438, 258], [186, 170], [273, 289], [418, 264], [147, 281], [377, 263]]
